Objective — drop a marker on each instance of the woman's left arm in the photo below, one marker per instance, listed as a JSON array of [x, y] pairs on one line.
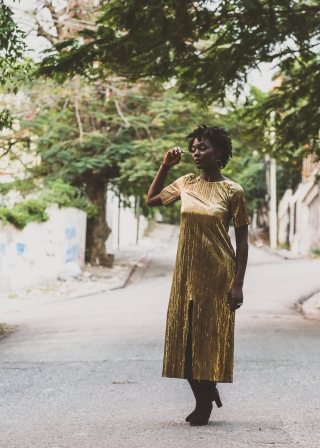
[[235, 296]]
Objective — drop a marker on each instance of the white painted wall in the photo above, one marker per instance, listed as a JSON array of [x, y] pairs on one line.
[[126, 232], [305, 223], [39, 251], [284, 215]]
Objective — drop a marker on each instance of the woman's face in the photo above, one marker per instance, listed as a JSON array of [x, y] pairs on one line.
[[204, 154]]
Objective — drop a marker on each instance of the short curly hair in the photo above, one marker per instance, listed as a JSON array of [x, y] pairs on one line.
[[219, 137]]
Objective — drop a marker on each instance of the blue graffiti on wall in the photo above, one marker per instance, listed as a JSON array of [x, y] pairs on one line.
[[20, 249], [70, 233], [72, 253]]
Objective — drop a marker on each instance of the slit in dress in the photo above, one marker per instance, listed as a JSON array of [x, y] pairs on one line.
[[188, 353]]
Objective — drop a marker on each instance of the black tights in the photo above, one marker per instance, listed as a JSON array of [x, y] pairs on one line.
[[188, 355]]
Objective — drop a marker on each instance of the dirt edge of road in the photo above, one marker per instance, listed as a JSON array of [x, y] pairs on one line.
[[309, 306]]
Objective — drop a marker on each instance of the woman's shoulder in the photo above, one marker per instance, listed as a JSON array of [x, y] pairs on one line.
[[186, 178], [189, 176], [233, 187]]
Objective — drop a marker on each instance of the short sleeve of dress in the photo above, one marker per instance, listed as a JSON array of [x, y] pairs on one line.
[[239, 209], [172, 192]]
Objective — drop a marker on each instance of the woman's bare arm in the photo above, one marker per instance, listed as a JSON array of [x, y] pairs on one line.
[[236, 294], [171, 158]]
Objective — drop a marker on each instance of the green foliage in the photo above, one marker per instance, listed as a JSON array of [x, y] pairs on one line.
[[80, 135], [48, 193], [91, 136], [58, 192], [171, 214], [210, 48], [286, 125], [12, 48], [5, 119], [24, 186], [169, 121], [88, 138], [24, 212], [253, 180], [163, 119]]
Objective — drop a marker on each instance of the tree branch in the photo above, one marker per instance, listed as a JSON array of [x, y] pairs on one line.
[[126, 122], [42, 32], [79, 122]]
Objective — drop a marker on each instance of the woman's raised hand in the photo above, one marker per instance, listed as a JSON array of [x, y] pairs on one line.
[[172, 157]]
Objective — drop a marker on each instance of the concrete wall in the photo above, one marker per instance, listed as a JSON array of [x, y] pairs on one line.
[[284, 217], [123, 224], [299, 218], [39, 251]]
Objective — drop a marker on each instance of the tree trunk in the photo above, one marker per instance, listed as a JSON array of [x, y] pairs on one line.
[[97, 228]]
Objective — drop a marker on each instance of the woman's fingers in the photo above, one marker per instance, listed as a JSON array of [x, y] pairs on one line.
[[173, 156], [176, 151], [234, 302]]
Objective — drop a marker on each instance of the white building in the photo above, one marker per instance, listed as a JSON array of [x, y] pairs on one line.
[[126, 223], [299, 212]]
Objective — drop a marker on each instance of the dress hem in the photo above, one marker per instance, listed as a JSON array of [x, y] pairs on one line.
[[199, 379]]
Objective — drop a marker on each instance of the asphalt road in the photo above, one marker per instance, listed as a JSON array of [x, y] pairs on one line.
[[86, 373]]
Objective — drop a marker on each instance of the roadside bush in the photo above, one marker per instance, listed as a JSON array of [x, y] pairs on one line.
[[24, 212]]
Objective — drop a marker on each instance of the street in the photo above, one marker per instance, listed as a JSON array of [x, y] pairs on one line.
[[86, 373]]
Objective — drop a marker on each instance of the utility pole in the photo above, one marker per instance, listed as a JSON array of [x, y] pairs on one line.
[[272, 191], [138, 218], [119, 210], [271, 199], [272, 180], [273, 221]]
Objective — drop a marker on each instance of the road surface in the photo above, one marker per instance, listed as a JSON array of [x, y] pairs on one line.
[[86, 373]]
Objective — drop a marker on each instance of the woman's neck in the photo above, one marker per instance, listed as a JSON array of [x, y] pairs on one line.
[[212, 175]]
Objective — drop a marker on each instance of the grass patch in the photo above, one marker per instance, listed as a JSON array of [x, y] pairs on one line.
[[6, 329], [284, 246]]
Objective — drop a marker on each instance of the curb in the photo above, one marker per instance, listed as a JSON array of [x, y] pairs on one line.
[[282, 253], [122, 284]]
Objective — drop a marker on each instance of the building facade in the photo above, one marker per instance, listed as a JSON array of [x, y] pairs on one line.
[[299, 212]]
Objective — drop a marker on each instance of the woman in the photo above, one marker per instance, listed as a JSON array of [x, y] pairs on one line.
[[208, 277]]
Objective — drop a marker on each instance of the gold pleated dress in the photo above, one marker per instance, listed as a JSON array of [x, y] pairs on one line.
[[204, 272]]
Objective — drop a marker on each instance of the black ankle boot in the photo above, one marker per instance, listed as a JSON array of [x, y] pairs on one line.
[[195, 385], [206, 394]]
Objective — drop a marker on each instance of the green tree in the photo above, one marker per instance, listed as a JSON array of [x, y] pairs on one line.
[[91, 136], [81, 139], [12, 49], [247, 166], [106, 134], [290, 114], [209, 47]]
